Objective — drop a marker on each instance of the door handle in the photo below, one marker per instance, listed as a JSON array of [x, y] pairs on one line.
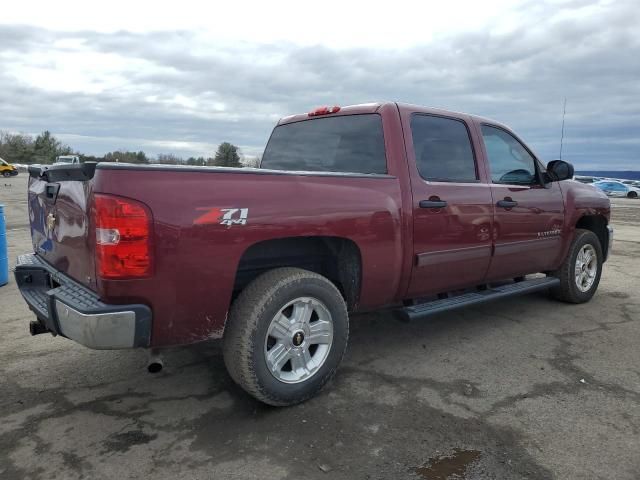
[[507, 203], [432, 204]]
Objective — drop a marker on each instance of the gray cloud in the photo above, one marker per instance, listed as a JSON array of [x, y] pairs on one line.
[[189, 91]]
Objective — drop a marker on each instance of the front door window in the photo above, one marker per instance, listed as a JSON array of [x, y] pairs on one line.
[[509, 161]]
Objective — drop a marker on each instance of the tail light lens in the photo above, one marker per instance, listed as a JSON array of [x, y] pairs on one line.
[[123, 237]]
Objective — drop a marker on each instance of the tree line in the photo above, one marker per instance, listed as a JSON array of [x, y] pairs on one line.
[[45, 148]]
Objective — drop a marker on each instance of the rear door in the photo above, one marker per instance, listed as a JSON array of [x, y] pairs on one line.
[[528, 215], [452, 204], [60, 228]]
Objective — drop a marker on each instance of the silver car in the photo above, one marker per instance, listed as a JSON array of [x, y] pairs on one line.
[[632, 183], [617, 189]]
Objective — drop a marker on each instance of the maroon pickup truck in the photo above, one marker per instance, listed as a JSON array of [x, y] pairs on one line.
[[352, 209]]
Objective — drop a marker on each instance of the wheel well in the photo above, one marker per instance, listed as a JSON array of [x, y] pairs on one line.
[[336, 258], [598, 225]]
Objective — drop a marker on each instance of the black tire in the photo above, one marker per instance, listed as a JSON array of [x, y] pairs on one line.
[[568, 290], [632, 195], [247, 328], [6, 174]]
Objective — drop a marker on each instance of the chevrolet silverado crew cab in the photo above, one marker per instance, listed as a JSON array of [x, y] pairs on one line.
[[352, 209]]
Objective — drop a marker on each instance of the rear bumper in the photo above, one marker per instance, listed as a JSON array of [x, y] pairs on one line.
[[69, 309]]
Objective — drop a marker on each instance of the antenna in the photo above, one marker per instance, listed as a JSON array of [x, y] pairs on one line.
[[564, 111]]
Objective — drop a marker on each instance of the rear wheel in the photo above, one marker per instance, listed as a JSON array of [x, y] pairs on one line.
[[632, 194], [286, 335], [580, 273]]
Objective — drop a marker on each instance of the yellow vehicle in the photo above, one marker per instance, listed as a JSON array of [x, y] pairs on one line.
[[6, 169]]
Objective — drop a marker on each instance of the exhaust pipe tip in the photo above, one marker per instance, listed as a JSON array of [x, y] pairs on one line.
[[155, 366], [155, 363]]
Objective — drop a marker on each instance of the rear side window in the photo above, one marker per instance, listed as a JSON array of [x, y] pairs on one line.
[[350, 143], [443, 149]]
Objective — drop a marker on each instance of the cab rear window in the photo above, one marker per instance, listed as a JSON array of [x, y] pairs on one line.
[[350, 143]]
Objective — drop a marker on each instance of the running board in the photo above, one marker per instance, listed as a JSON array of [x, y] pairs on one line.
[[422, 310]]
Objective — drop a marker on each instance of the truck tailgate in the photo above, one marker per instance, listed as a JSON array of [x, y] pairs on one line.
[[59, 213]]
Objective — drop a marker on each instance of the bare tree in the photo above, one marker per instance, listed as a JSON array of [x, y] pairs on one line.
[[169, 159], [253, 162]]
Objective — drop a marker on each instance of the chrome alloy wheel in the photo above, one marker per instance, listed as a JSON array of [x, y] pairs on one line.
[[298, 340], [586, 267]]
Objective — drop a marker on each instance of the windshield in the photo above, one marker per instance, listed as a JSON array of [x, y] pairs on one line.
[[3, 162], [64, 160], [349, 143]]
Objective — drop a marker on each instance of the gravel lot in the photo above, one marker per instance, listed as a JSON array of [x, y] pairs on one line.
[[522, 388]]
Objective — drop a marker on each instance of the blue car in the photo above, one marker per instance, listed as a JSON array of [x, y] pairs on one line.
[[617, 189]]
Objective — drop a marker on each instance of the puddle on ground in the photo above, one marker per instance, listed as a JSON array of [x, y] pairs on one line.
[[450, 466]]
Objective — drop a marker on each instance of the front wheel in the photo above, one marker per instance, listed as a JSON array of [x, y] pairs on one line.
[[580, 273], [6, 174], [632, 194], [286, 335]]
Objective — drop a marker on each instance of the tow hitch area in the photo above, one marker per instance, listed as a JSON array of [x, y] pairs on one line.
[[36, 328]]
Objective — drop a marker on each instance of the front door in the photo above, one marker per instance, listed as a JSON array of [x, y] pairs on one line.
[[528, 215], [452, 205]]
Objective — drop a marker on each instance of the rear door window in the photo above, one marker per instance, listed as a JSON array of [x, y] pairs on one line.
[[443, 149], [349, 143]]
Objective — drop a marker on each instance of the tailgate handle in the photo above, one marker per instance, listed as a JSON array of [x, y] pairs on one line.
[[51, 191]]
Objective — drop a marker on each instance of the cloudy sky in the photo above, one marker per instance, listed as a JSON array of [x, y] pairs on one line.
[[183, 77]]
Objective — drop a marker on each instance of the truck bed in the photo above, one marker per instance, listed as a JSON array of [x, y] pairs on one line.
[[204, 220]]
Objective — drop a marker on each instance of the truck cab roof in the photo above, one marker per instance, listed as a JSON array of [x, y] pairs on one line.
[[364, 108]]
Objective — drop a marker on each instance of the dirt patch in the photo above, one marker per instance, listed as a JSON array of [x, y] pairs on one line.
[[449, 466]]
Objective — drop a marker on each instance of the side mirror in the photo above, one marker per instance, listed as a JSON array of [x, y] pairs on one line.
[[559, 170]]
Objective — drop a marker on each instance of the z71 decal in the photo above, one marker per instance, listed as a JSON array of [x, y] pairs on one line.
[[222, 216]]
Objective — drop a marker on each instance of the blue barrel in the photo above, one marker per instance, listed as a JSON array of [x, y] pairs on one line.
[[4, 256]]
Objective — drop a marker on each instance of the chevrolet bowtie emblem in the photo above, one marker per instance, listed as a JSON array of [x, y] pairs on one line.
[[298, 338], [51, 222]]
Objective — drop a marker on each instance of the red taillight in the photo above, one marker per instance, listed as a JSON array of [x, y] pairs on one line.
[[324, 111], [123, 237]]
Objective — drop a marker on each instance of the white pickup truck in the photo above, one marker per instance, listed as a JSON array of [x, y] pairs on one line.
[[73, 159]]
